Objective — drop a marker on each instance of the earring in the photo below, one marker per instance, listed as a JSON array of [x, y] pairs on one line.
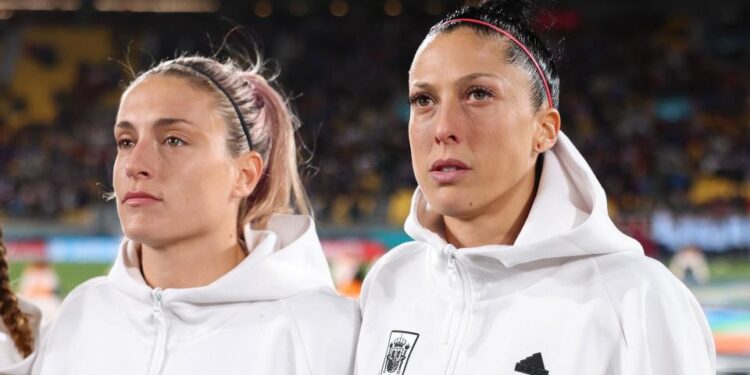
[[539, 146]]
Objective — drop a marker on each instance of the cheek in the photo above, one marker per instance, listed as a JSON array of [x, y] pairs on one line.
[[420, 135], [502, 132], [118, 174], [199, 192], [419, 143], [212, 177]]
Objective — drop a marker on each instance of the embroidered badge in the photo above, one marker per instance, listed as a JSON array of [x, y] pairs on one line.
[[400, 346], [533, 365]]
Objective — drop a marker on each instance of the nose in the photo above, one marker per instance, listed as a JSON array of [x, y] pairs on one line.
[[139, 162], [447, 129]]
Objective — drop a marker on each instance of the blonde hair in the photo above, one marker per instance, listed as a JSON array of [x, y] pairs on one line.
[[271, 125]]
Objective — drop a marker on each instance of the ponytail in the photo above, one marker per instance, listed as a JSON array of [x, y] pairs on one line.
[[279, 189]]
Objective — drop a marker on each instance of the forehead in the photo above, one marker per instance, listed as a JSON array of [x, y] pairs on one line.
[[166, 96], [458, 53]]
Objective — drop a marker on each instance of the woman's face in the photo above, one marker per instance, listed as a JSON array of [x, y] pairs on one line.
[[173, 176], [473, 133]]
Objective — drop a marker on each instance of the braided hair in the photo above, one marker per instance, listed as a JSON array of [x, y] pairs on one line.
[[15, 321]]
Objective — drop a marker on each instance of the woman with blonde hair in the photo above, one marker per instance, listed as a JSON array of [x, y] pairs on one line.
[[221, 270]]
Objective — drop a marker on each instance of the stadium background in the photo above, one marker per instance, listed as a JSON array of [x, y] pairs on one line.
[[656, 96]]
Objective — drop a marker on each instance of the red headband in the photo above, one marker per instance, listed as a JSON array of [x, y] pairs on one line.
[[518, 43]]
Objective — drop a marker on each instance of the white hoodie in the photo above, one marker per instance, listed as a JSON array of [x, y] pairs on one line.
[[274, 313], [11, 361], [573, 295]]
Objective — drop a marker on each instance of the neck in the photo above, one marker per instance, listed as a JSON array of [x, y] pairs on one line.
[[190, 263], [500, 222]]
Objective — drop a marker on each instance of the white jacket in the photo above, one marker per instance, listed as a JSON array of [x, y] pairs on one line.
[[275, 313], [11, 362], [573, 295]]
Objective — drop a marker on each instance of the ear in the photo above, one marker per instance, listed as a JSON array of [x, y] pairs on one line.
[[250, 170], [548, 123]]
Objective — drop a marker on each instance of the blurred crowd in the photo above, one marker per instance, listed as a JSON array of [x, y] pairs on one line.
[[659, 107]]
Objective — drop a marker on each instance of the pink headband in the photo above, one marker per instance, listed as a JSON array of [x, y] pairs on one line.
[[518, 43]]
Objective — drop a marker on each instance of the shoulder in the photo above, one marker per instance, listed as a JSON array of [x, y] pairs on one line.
[[328, 325], [404, 259], [636, 282], [401, 258], [323, 306], [89, 289], [70, 316], [628, 273], [80, 302], [659, 316]]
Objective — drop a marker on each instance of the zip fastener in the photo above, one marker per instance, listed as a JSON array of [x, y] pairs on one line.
[[454, 263], [160, 347], [452, 272]]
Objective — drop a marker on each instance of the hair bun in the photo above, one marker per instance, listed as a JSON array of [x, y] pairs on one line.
[[515, 11]]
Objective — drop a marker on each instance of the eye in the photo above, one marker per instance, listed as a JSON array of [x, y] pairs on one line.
[[173, 141], [420, 100], [479, 94], [125, 144]]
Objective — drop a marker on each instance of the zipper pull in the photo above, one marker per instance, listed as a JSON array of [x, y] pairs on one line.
[[451, 267], [157, 294]]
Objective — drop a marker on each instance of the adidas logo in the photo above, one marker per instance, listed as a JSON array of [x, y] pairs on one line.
[[533, 365]]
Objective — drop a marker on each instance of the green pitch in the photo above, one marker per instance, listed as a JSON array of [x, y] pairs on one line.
[[70, 274]]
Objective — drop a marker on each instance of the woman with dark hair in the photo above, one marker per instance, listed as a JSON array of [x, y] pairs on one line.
[[19, 325], [221, 270], [515, 266]]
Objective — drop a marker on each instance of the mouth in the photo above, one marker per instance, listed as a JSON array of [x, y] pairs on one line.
[[139, 198], [446, 171], [448, 165]]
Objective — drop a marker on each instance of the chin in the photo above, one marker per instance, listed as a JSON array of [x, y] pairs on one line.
[[142, 231], [452, 210], [450, 201]]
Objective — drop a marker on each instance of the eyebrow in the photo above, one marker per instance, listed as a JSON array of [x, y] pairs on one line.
[[474, 76], [160, 123], [422, 85], [464, 79]]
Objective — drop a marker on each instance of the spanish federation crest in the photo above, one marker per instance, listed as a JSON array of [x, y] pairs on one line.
[[400, 346]]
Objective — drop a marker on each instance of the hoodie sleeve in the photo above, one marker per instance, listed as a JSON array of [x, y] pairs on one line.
[[664, 328]]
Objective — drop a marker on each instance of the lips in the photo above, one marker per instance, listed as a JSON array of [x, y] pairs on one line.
[[447, 171], [139, 198]]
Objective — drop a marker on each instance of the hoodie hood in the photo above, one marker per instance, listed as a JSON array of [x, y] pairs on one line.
[[284, 260], [568, 217]]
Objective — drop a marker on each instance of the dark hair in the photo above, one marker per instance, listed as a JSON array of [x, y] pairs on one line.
[[513, 16], [271, 124], [15, 321]]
